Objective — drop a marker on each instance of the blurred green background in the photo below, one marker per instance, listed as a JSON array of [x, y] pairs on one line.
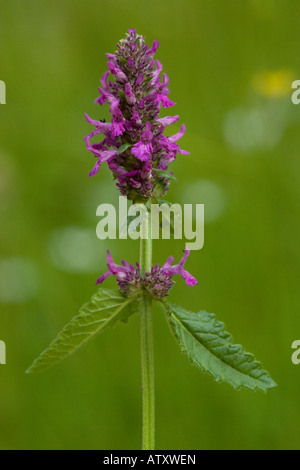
[[231, 65]]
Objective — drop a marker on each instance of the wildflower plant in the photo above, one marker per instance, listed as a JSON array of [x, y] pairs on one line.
[[138, 153]]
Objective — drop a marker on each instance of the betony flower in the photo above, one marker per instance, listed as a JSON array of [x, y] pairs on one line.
[[143, 149], [158, 282], [134, 143]]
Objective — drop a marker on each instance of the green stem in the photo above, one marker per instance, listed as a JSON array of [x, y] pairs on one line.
[[147, 341]]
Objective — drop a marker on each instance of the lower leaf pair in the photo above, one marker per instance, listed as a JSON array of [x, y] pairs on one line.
[[199, 335]]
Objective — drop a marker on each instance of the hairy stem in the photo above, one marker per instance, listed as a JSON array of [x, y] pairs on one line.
[[147, 340]]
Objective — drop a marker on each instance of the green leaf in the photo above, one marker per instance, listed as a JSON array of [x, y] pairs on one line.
[[105, 308], [165, 174], [124, 147], [208, 346]]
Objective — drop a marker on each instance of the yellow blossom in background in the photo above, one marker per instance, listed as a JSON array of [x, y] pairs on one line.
[[273, 83]]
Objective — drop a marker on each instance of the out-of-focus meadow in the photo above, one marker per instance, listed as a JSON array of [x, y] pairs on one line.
[[231, 65]]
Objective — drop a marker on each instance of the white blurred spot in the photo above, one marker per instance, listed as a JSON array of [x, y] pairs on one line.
[[106, 192], [74, 249], [18, 280], [208, 193], [255, 129]]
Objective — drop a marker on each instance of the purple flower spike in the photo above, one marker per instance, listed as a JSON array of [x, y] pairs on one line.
[[136, 92], [168, 121], [143, 149], [128, 277], [113, 269], [117, 73], [158, 282], [130, 97], [153, 49], [178, 269], [103, 157]]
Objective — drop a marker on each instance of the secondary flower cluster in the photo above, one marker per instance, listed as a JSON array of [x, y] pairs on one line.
[[134, 145], [158, 282]]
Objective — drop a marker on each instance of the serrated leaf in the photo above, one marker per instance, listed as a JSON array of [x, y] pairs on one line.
[[165, 174], [105, 308], [208, 346], [124, 147]]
